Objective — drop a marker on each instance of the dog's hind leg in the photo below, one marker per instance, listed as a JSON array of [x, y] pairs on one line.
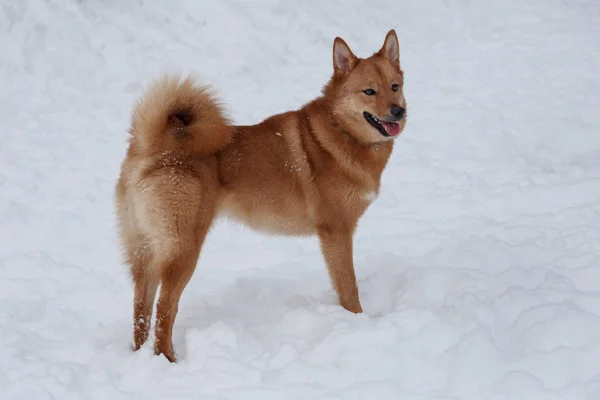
[[145, 285], [176, 272], [182, 220], [173, 211], [139, 258], [176, 275]]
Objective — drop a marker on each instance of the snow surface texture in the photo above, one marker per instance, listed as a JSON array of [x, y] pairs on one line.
[[478, 263]]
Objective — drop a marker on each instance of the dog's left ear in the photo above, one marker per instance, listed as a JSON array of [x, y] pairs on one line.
[[391, 48], [344, 59]]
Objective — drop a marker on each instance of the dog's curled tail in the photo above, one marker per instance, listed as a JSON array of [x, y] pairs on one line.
[[179, 115]]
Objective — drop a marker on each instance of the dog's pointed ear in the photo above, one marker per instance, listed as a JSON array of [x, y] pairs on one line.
[[391, 48], [343, 58]]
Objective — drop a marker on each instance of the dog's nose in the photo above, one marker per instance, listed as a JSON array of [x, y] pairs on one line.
[[398, 111]]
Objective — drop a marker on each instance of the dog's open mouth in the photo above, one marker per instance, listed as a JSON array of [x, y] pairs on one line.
[[388, 129]]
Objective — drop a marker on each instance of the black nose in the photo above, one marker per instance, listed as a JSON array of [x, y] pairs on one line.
[[398, 111]]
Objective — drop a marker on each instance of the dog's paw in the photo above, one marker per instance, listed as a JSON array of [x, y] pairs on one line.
[[167, 352]]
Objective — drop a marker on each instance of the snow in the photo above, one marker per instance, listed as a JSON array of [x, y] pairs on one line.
[[478, 265]]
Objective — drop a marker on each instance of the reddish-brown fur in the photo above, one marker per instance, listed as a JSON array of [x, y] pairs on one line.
[[308, 172]]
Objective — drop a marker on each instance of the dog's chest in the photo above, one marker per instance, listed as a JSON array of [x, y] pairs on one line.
[[350, 198]]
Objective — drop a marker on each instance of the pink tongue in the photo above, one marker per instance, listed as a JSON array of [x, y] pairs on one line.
[[392, 128]]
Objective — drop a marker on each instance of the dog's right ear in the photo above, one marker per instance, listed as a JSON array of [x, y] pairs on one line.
[[390, 48], [343, 58]]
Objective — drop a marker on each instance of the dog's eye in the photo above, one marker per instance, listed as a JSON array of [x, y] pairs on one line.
[[395, 87], [369, 92]]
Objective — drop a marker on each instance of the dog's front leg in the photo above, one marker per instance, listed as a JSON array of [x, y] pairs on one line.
[[336, 244]]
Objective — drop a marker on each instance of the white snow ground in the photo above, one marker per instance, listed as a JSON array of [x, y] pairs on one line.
[[479, 263]]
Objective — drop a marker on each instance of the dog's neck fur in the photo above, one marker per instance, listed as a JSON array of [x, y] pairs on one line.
[[335, 138]]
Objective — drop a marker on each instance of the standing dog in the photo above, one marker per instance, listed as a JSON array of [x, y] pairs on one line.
[[313, 171]]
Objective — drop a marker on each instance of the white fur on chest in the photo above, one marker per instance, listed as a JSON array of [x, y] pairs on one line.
[[370, 196]]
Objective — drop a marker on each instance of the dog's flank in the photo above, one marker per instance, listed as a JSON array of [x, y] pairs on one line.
[[313, 171]]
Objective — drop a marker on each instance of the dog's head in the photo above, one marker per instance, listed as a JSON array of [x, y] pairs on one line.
[[366, 94]]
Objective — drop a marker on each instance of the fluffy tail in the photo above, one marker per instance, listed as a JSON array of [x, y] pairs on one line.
[[179, 115]]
